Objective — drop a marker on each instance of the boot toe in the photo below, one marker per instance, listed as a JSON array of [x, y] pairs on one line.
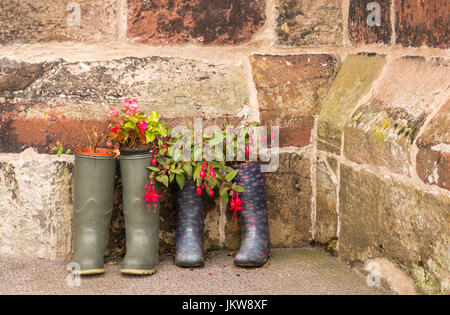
[[246, 260], [189, 260]]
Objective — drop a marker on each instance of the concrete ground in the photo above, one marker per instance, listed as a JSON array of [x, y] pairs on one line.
[[290, 271]]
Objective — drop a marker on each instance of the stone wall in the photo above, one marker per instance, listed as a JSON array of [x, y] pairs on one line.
[[363, 111]]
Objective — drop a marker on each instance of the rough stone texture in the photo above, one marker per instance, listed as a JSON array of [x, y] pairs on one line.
[[289, 195], [422, 22], [15, 76], [381, 131], [433, 158], [196, 21], [326, 202], [35, 205], [309, 22], [28, 21], [290, 91], [353, 81], [360, 32], [381, 217], [397, 280], [180, 89]]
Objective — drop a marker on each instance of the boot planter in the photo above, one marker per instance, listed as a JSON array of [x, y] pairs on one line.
[[189, 229], [141, 223], [93, 192], [255, 247]]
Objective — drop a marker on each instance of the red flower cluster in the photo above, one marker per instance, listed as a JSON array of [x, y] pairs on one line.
[[203, 174], [151, 197], [236, 206]]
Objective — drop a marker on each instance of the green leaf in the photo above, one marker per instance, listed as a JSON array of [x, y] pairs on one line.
[[240, 189], [180, 180], [177, 171], [129, 125], [225, 198], [163, 179], [229, 177], [171, 176], [187, 168], [154, 169], [68, 151], [224, 191], [60, 151], [198, 168], [177, 155]]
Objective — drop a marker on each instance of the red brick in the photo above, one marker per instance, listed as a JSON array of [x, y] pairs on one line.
[[19, 132], [360, 32], [293, 131], [290, 90], [196, 21], [422, 22]]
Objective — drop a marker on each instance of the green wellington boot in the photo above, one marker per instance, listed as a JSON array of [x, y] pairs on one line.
[[141, 224], [93, 204]]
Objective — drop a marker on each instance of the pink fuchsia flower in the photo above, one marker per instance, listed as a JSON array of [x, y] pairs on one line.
[[142, 125], [115, 129], [121, 122], [113, 113], [133, 106], [151, 197]]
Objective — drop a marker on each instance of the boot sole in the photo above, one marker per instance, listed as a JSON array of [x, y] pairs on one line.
[[137, 272], [252, 264], [90, 272], [190, 265]]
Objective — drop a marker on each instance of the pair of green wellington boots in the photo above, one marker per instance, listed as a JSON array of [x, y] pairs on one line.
[[93, 205]]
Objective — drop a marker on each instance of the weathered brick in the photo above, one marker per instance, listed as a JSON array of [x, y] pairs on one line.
[[433, 158], [353, 81], [28, 21], [382, 130], [180, 89], [196, 21], [15, 75], [35, 205], [289, 194], [290, 90], [422, 22], [326, 203], [360, 32], [309, 22], [381, 217]]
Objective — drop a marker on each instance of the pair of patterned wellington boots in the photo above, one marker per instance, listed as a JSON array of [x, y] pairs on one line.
[[255, 247], [94, 190]]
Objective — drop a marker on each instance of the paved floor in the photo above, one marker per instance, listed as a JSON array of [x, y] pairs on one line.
[[290, 271]]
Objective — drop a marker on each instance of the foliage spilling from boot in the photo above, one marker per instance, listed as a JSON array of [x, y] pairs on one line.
[[215, 174], [134, 130]]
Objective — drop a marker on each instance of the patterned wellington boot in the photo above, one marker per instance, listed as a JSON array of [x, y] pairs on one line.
[[189, 230], [255, 247]]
